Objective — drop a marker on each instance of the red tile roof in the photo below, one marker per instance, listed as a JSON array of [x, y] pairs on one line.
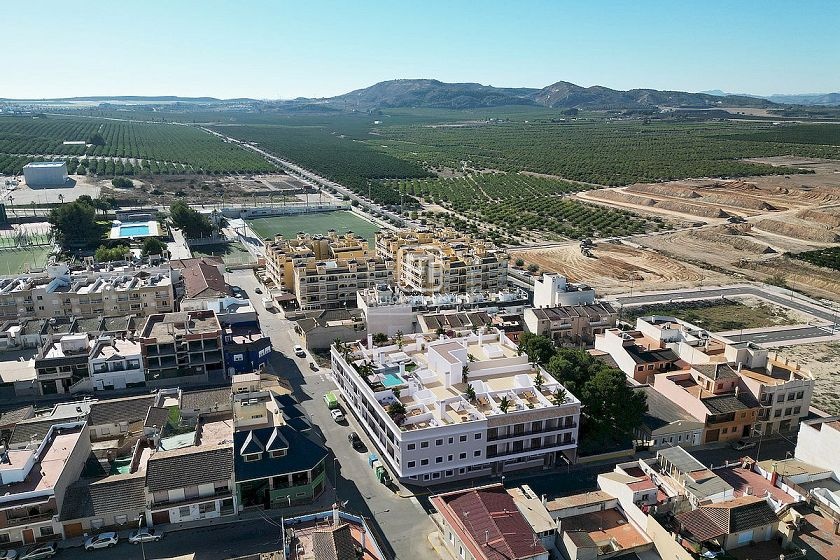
[[488, 522], [202, 277]]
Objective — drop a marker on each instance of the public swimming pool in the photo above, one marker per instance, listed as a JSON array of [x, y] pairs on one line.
[[133, 230], [392, 380]]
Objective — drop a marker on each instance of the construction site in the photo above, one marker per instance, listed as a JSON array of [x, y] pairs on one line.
[[723, 229]]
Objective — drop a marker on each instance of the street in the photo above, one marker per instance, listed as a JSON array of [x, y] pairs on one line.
[[402, 520]]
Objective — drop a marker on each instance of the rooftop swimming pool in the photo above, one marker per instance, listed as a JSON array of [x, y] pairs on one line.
[[392, 380], [137, 228]]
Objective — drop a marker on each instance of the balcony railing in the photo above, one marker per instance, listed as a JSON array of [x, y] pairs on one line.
[[29, 519], [541, 432], [491, 455]]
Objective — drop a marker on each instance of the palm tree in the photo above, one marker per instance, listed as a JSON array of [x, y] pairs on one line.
[[538, 381], [471, 358], [399, 338], [504, 404], [465, 373], [559, 396], [470, 393]]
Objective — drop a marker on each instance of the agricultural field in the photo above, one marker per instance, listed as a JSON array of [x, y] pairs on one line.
[[333, 154], [512, 208], [716, 316], [605, 153], [120, 148], [316, 223]]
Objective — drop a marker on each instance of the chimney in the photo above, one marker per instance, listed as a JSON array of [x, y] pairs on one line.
[[370, 340], [402, 369], [335, 517], [737, 390], [739, 366]]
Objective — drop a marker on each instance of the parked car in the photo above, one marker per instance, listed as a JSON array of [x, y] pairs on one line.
[[258, 290], [40, 552], [741, 445], [146, 534], [337, 415], [103, 540], [355, 440], [8, 554], [299, 351], [313, 366]]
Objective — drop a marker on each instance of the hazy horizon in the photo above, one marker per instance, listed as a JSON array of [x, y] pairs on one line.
[[283, 50]]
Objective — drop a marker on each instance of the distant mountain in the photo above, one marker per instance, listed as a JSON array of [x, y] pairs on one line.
[[432, 93], [563, 95], [567, 95], [806, 99], [140, 99]]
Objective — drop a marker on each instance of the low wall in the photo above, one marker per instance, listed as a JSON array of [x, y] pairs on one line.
[[620, 454]]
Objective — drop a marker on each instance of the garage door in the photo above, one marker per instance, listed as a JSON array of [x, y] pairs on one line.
[[160, 517], [745, 537], [73, 530]]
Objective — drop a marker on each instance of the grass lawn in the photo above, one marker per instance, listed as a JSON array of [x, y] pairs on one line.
[[288, 226], [13, 261], [716, 315], [231, 253]]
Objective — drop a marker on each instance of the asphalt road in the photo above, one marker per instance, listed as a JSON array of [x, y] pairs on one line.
[[216, 542], [402, 520], [787, 335]]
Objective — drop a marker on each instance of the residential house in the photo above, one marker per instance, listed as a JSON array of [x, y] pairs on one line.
[[114, 418], [730, 524], [484, 523], [199, 279], [638, 356], [179, 348], [193, 482], [665, 423], [452, 322], [34, 480], [205, 401], [115, 503], [245, 348], [115, 363], [682, 472], [62, 364], [553, 290], [27, 433], [575, 324], [818, 443], [10, 418], [321, 327], [329, 535]]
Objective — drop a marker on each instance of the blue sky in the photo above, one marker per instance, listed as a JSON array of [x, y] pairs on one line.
[[279, 49]]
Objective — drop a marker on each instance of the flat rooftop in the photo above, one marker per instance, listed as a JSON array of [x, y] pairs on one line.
[[165, 326], [45, 164], [117, 347], [45, 472], [433, 397]]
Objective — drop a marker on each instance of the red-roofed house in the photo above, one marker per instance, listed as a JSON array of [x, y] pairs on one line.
[[485, 524], [200, 278]]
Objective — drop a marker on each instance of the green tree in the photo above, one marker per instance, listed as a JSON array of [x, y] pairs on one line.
[[613, 409], [559, 396], [74, 224], [538, 348], [380, 338], [470, 393], [107, 254], [504, 404], [122, 183], [194, 224], [539, 381], [153, 246], [96, 139]]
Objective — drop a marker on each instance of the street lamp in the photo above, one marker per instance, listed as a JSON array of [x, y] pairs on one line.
[[140, 537], [335, 477]]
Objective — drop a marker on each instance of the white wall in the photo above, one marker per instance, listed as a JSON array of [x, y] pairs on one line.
[[819, 447]]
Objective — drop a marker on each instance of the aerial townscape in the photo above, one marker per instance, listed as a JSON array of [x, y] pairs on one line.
[[280, 313]]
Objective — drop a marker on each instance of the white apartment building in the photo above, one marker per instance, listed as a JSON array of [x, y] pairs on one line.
[[89, 293], [116, 363], [389, 312], [552, 290], [511, 422]]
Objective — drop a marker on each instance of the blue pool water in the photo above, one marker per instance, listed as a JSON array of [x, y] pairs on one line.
[[130, 230], [392, 380]]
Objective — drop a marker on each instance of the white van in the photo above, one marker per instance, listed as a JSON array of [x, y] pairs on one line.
[[268, 303]]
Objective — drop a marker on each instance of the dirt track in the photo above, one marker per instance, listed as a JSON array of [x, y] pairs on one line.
[[618, 268]]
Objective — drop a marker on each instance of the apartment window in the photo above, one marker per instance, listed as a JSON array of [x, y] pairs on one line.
[[436, 475], [451, 440], [462, 456], [47, 531], [410, 465], [450, 457], [438, 459], [778, 413], [477, 436], [424, 444], [184, 511], [477, 453], [4, 538], [725, 431], [250, 457], [462, 470], [791, 396], [780, 397], [207, 507], [449, 473], [797, 409], [411, 446], [238, 357], [462, 439], [424, 462], [277, 453], [787, 411], [439, 442], [800, 394]]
